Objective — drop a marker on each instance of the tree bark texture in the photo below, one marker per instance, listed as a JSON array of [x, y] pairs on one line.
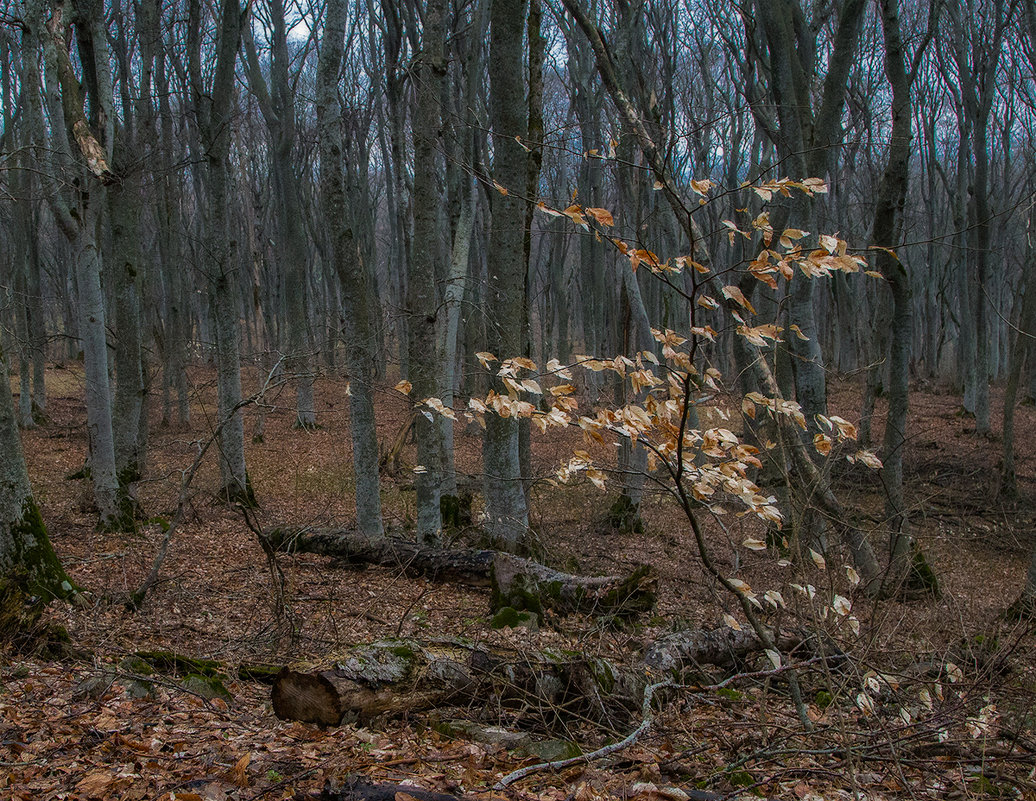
[[887, 235], [423, 318], [506, 507], [277, 105], [351, 272], [213, 108]]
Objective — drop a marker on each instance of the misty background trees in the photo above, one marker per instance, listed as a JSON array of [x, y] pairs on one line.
[[353, 188]]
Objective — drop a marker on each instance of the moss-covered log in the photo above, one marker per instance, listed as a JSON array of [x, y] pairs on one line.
[[516, 582], [391, 677]]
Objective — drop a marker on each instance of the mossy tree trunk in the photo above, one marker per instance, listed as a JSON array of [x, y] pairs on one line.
[[28, 565]]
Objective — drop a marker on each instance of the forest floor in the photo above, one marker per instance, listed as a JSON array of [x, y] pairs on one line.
[[88, 727]]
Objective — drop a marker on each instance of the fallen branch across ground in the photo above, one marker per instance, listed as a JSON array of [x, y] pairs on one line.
[[516, 582], [647, 718]]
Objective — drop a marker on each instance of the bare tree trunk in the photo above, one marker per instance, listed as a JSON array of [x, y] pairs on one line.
[[862, 553], [807, 130], [394, 151], [907, 568], [1020, 350], [1026, 602], [213, 108], [124, 209], [176, 304], [977, 57], [422, 304], [453, 297], [506, 506], [277, 104], [79, 215], [351, 272]]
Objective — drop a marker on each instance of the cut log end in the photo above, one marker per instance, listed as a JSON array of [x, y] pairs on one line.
[[307, 697]]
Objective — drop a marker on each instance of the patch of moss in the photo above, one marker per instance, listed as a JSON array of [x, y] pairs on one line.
[[41, 570], [1023, 609], [509, 617], [171, 662], [921, 579], [21, 623], [740, 778], [129, 475], [234, 494], [124, 520], [982, 786], [603, 673], [636, 595], [522, 596], [402, 650], [729, 694], [456, 510], [81, 474], [263, 674], [823, 699], [552, 750], [209, 687], [624, 516]]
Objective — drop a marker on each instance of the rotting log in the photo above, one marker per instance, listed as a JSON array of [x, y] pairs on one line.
[[391, 677], [516, 582], [724, 647], [357, 788]]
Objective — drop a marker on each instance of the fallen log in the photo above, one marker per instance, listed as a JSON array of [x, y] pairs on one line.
[[357, 788], [516, 582], [723, 647], [390, 677]]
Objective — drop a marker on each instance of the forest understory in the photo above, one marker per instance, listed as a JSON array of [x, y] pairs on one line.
[[936, 698]]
